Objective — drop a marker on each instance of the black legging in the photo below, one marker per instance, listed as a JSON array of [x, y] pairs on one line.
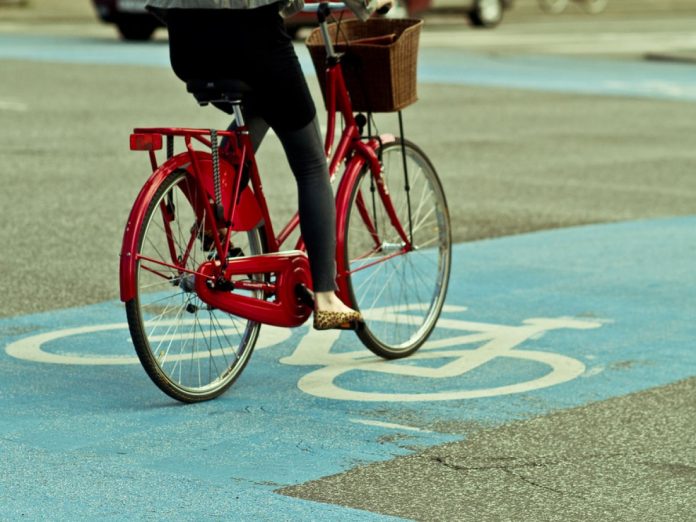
[[252, 45]]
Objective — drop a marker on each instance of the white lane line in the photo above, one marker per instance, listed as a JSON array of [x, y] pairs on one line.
[[11, 105], [389, 425]]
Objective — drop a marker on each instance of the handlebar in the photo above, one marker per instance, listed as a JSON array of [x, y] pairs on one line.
[[333, 6], [360, 9]]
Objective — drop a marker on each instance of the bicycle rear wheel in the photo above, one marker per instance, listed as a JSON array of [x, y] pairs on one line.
[[400, 293], [191, 351]]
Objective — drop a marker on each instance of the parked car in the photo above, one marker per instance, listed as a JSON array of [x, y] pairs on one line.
[[135, 23], [129, 16], [488, 13], [481, 13]]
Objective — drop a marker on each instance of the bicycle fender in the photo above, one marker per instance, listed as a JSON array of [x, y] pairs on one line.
[[366, 155], [247, 212], [127, 264]]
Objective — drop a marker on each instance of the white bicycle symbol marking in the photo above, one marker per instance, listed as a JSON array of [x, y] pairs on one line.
[[493, 340], [32, 348]]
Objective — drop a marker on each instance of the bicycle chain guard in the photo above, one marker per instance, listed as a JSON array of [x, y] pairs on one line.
[[288, 270]]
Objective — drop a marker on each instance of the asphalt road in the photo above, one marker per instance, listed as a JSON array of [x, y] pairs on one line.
[[614, 460], [513, 161]]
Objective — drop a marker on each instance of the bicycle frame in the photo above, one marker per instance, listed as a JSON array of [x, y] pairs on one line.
[[244, 207]]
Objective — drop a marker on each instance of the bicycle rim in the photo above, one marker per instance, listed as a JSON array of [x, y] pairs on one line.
[[190, 350], [400, 294]]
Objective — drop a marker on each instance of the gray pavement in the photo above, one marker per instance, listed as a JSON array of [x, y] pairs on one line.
[[606, 461], [515, 161]]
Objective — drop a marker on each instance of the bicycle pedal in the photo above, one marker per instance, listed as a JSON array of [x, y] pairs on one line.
[[305, 295], [235, 252]]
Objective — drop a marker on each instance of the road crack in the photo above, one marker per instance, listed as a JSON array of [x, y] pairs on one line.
[[492, 465], [515, 466], [525, 462], [538, 485]]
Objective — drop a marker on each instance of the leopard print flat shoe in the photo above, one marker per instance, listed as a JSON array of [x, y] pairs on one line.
[[337, 320]]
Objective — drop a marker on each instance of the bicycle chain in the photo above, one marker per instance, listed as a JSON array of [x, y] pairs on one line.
[[216, 169]]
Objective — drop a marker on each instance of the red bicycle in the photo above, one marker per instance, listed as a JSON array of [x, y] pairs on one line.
[[202, 268]]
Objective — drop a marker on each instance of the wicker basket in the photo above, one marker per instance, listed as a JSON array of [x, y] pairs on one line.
[[379, 61]]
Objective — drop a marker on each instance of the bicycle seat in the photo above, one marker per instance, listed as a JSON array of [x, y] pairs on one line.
[[217, 91]]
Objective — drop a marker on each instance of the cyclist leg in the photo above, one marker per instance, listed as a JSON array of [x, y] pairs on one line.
[[305, 152], [292, 114]]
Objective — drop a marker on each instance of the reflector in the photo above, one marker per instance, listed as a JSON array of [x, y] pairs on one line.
[[145, 141]]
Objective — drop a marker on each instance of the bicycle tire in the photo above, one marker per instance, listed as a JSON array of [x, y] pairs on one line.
[[399, 294], [191, 351]]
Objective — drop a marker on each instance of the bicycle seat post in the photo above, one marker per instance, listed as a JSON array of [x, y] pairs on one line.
[[237, 111]]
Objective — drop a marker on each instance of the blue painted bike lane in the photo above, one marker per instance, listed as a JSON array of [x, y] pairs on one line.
[[663, 80], [534, 323]]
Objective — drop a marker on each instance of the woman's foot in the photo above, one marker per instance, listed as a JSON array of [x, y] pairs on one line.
[[332, 313]]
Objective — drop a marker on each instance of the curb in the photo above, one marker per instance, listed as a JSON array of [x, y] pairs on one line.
[[685, 57]]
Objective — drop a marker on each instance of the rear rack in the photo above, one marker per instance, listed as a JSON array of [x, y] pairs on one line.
[[139, 141]]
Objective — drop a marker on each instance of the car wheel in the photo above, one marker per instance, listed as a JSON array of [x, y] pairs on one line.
[[486, 13], [138, 28], [553, 6], [594, 6]]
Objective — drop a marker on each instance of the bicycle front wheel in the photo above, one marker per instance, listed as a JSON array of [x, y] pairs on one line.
[[399, 291], [191, 351]]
